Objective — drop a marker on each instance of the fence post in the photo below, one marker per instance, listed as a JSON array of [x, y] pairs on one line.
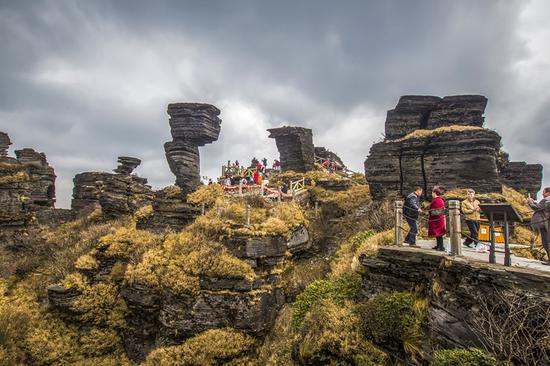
[[398, 223], [279, 193], [202, 208], [454, 221], [316, 209], [247, 215], [240, 189]]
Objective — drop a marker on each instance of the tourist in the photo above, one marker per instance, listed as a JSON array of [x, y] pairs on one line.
[[284, 189], [256, 174], [264, 161], [227, 181], [541, 217], [470, 209], [277, 164], [436, 221], [237, 163], [325, 164], [411, 211], [333, 167]]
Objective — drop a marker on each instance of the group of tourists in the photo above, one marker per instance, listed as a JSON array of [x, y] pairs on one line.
[[330, 165], [471, 210]]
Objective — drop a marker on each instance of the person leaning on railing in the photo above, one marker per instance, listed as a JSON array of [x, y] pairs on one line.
[[540, 219], [411, 210]]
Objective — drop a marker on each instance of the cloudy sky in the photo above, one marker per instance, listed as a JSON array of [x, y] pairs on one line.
[[87, 81]]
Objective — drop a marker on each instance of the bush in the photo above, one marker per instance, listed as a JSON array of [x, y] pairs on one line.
[[462, 357], [128, 242], [331, 333], [207, 194], [212, 347], [393, 319], [345, 287]]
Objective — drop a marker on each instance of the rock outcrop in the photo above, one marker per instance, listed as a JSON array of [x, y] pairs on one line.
[[42, 176], [191, 125], [456, 288], [522, 177], [5, 143], [295, 145], [323, 153], [116, 194], [432, 140]]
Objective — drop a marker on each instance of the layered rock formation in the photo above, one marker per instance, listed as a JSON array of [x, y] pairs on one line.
[[191, 125], [295, 145], [116, 194], [431, 141], [522, 177], [42, 176], [27, 185], [455, 287]]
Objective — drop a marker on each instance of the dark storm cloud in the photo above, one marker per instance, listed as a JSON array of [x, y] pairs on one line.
[[86, 81]]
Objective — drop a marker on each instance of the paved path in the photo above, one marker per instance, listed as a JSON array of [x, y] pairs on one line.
[[484, 257]]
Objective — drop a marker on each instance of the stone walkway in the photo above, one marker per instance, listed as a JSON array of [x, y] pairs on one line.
[[484, 257]]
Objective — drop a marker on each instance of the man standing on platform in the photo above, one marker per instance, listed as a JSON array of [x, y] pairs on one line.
[[411, 211]]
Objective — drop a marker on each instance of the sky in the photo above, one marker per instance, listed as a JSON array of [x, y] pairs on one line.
[[88, 81]]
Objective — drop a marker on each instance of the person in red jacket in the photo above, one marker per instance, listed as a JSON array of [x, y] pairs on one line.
[[256, 175], [436, 223]]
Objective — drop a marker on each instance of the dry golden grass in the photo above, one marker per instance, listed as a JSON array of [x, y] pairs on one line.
[[346, 258], [212, 347], [348, 201], [417, 134], [18, 177], [207, 194]]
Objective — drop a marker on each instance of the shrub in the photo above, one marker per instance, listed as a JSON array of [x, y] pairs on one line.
[[87, 262], [101, 305], [128, 242], [393, 319], [207, 194], [345, 287], [331, 333], [462, 357], [212, 347]]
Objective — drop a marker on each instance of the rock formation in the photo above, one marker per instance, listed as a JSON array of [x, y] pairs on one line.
[[522, 177], [454, 286], [42, 176], [192, 125], [116, 194], [295, 145], [323, 153], [5, 143], [431, 140]]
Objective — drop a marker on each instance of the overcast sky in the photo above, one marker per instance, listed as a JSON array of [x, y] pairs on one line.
[[87, 81]]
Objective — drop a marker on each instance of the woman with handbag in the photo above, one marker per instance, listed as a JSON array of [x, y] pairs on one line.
[[436, 221]]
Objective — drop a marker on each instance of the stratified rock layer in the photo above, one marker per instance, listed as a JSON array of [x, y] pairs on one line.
[[116, 194], [451, 149], [42, 176], [5, 143], [127, 165], [454, 286], [192, 125], [425, 112], [522, 176], [295, 145]]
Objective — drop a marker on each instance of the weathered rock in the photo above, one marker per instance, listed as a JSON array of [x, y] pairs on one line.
[[170, 212], [295, 145], [522, 176], [42, 176], [420, 112], [127, 165], [54, 216], [299, 241], [116, 194], [323, 153], [252, 313], [334, 185], [396, 167], [61, 298], [192, 125], [5, 143], [464, 156], [194, 122], [184, 161], [455, 286], [265, 251]]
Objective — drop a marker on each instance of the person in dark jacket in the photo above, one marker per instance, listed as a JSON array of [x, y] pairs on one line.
[[411, 211], [541, 217]]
